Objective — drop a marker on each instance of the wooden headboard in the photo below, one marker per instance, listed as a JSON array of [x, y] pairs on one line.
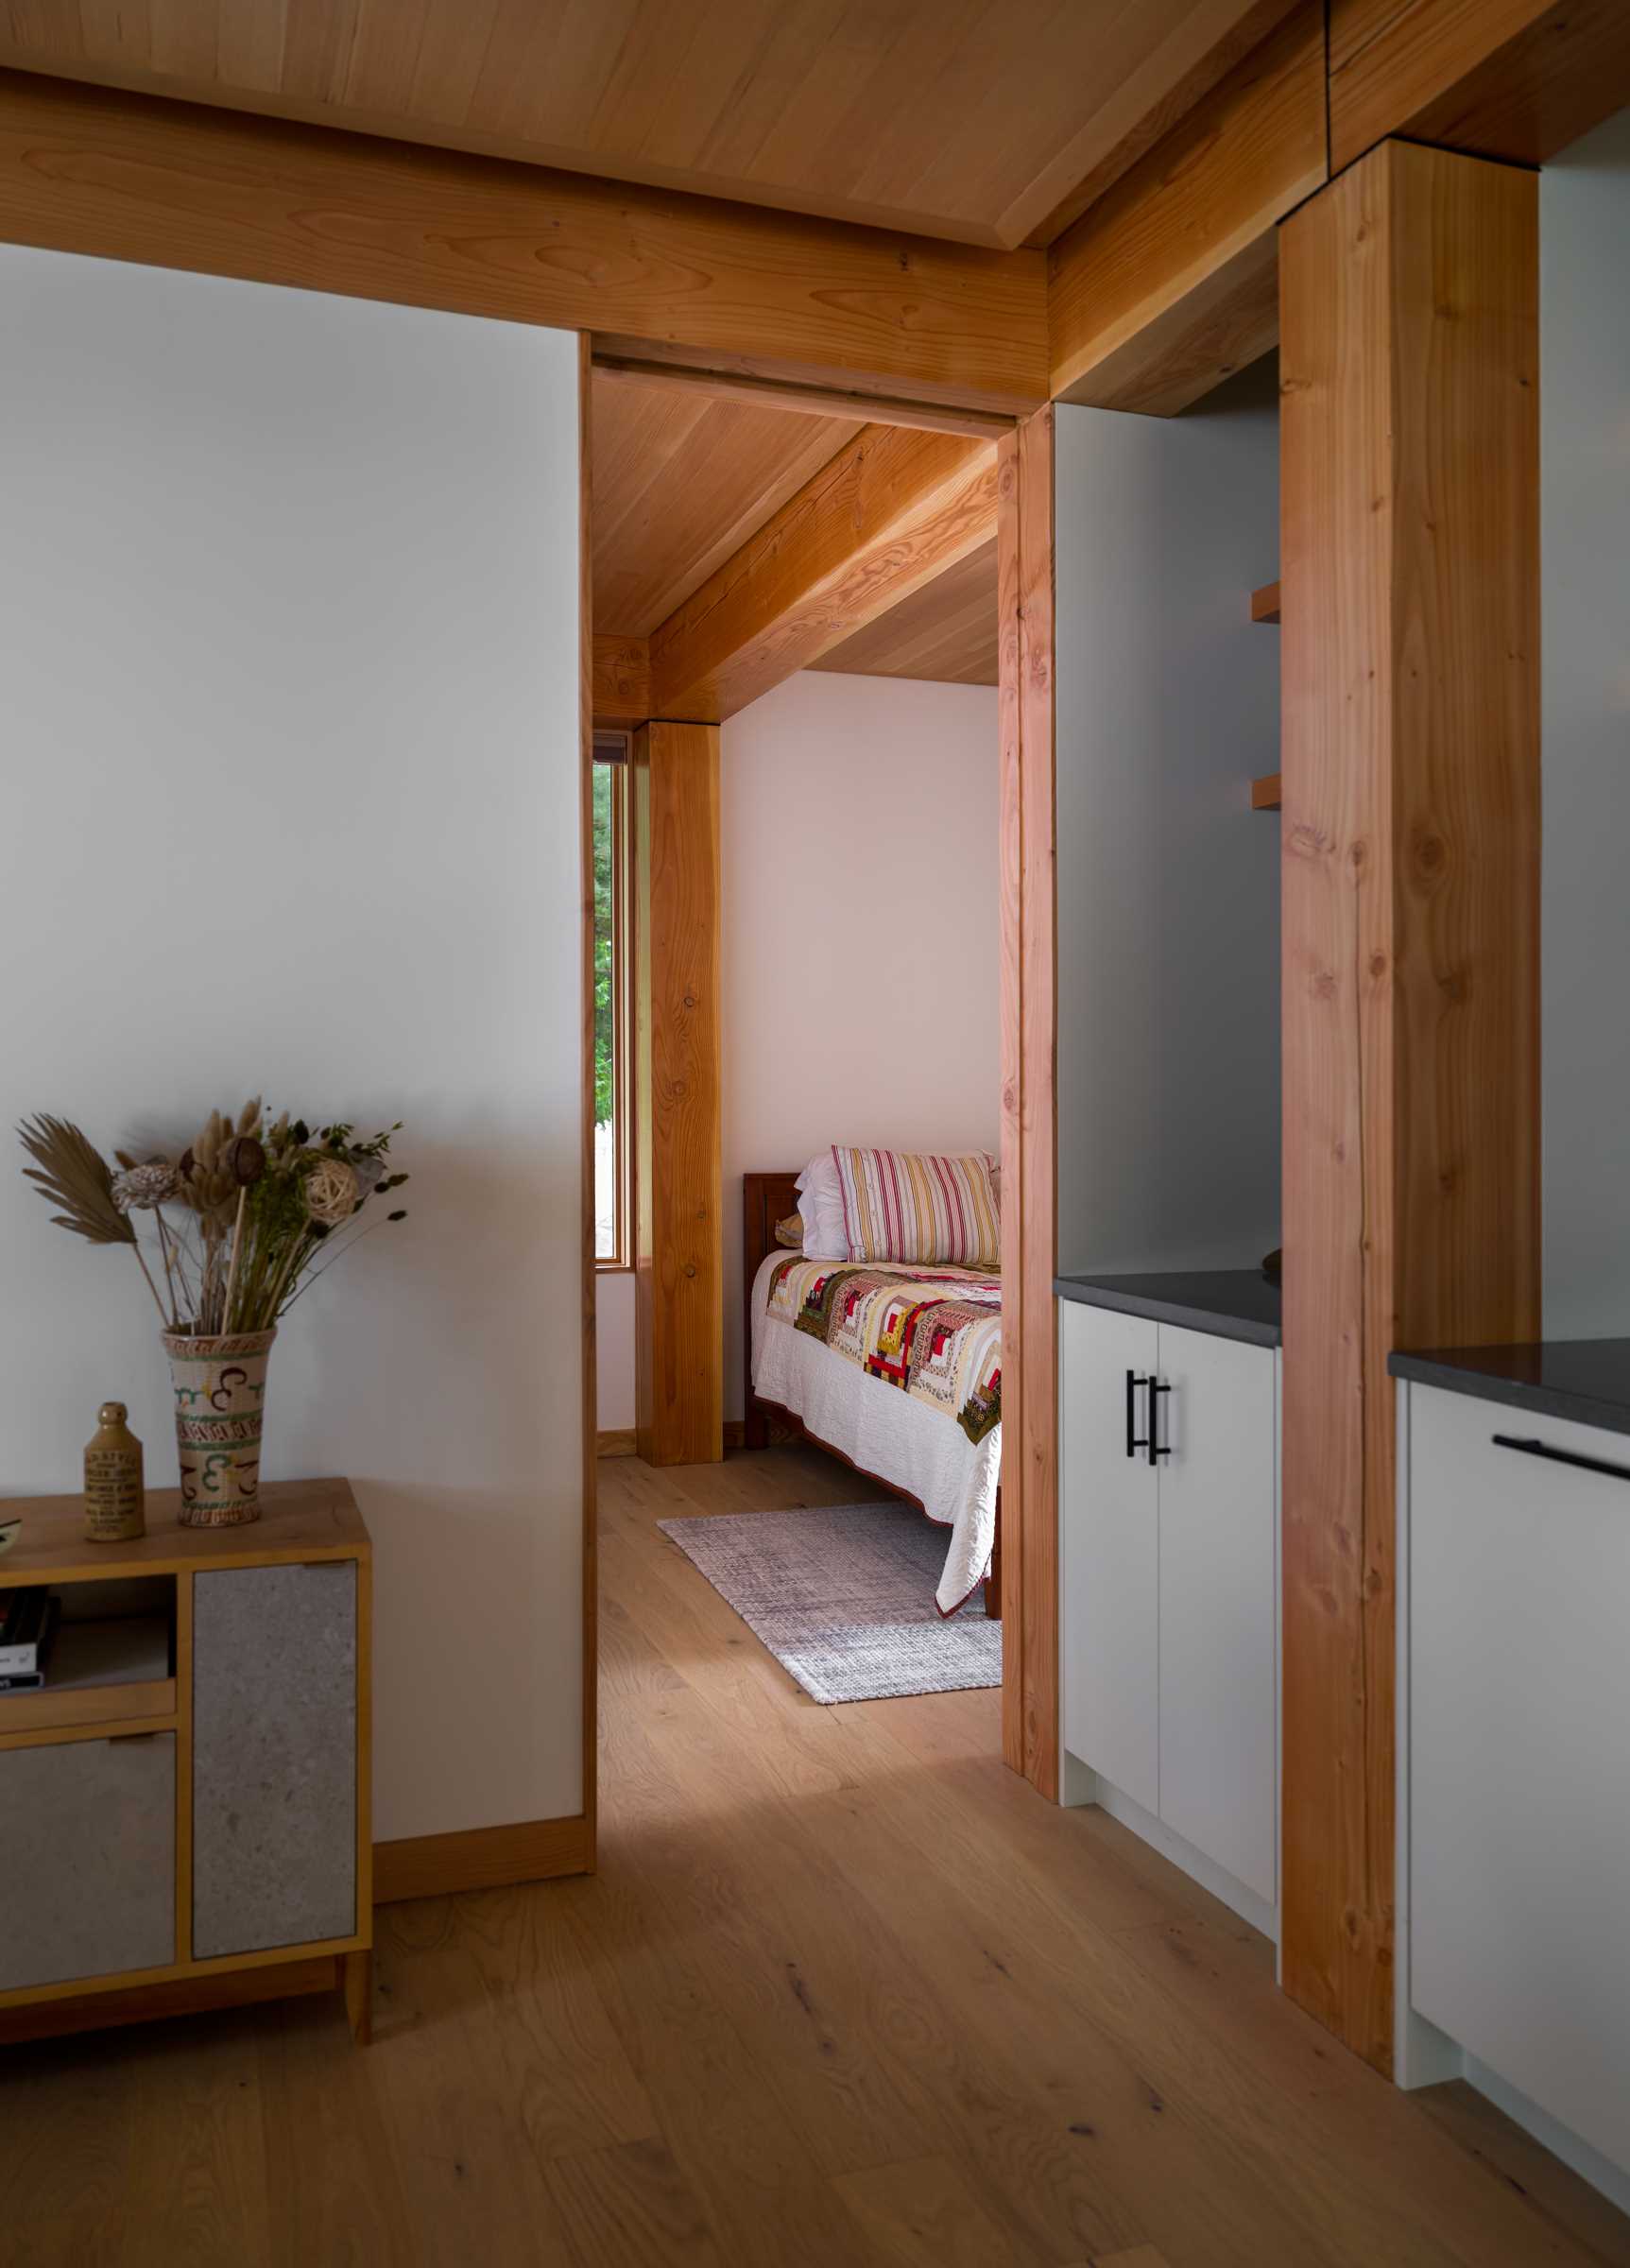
[[766, 1199]]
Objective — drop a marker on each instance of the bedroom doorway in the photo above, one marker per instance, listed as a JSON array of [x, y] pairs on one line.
[[852, 883]]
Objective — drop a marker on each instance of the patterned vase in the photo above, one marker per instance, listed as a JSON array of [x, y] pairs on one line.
[[220, 1390]]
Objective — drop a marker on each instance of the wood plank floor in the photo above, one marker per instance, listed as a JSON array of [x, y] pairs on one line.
[[844, 1990]]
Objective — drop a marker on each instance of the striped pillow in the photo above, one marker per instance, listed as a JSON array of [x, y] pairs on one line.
[[905, 1204]]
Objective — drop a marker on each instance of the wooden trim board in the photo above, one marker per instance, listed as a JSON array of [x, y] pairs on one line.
[[803, 401], [1028, 952], [589, 1287], [1409, 507], [621, 1441], [482, 1858], [717, 285]]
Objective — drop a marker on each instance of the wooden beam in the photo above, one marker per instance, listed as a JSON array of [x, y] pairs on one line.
[[679, 1255], [717, 285], [622, 679], [802, 400], [1168, 284], [1265, 603], [1518, 79], [1211, 40], [889, 513], [1411, 869], [1029, 1108]]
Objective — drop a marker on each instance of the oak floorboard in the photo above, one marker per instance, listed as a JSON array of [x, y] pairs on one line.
[[330, 2163], [66, 2114], [564, 2068], [630, 2203], [839, 1966], [926, 2215], [471, 2193], [198, 2186]]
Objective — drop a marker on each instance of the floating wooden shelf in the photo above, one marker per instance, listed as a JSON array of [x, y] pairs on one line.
[[1265, 603], [1265, 792]]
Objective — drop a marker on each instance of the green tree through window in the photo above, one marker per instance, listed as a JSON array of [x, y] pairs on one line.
[[609, 804], [605, 926]]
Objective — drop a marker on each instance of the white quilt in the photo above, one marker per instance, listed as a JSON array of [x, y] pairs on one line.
[[902, 1441]]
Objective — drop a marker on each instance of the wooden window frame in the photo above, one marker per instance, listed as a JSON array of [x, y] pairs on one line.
[[620, 1261]]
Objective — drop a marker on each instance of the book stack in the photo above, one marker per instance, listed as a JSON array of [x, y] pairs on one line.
[[27, 1625]]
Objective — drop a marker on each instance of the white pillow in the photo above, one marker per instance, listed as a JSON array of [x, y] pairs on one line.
[[820, 1203]]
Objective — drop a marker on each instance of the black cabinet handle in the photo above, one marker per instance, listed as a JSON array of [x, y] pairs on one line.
[[1133, 1443], [1157, 1449], [1562, 1457]]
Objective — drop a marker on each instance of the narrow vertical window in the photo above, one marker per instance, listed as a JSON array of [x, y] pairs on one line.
[[612, 972]]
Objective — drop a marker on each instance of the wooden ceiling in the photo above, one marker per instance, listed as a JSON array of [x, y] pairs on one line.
[[682, 478], [993, 122]]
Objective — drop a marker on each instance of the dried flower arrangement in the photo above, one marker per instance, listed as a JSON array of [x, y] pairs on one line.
[[256, 1207]]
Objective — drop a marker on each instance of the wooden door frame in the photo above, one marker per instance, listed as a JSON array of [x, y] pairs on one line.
[[1409, 507], [1028, 953]]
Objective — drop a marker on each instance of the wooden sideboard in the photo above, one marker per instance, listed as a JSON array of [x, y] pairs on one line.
[[184, 1806]]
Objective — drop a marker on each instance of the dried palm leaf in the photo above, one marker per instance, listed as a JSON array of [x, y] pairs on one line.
[[67, 1171]]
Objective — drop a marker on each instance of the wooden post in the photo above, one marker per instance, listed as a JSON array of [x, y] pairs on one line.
[[1029, 1113], [678, 1265], [1410, 909]]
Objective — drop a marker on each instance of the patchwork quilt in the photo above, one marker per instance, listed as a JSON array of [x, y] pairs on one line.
[[933, 1333]]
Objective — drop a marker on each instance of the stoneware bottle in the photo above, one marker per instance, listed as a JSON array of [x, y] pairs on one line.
[[114, 1505]]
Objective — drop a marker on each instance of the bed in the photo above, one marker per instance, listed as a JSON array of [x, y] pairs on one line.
[[829, 1353]]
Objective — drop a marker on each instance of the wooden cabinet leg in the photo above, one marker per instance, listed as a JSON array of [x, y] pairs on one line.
[[359, 1995]]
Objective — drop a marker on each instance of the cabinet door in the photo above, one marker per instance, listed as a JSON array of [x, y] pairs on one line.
[[1218, 1625], [1109, 1545], [90, 1868], [274, 1757], [1519, 1762]]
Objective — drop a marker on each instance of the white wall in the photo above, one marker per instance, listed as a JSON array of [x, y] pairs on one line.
[[289, 625], [1585, 509], [1168, 706], [859, 931], [614, 1350]]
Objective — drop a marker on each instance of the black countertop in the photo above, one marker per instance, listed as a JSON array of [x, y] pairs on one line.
[[1231, 1303], [1586, 1380]]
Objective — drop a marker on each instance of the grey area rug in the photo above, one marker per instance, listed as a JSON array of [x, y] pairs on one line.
[[843, 1596]]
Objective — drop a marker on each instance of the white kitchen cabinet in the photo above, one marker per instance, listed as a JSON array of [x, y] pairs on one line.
[[1169, 1597], [1515, 1794], [1110, 1599], [1217, 1601]]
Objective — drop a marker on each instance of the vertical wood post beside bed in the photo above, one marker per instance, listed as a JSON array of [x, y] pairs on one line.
[[1028, 946]]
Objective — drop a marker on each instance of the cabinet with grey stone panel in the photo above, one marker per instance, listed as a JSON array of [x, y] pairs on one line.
[[187, 1795]]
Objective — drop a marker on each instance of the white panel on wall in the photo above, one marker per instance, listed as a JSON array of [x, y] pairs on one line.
[[288, 617], [614, 1350], [859, 931], [1168, 707], [1585, 513]]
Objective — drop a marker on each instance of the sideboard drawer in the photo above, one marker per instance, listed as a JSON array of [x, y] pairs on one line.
[[274, 1757], [90, 1859]]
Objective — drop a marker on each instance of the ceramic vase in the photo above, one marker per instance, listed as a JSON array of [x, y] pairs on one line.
[[220, 1394]]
